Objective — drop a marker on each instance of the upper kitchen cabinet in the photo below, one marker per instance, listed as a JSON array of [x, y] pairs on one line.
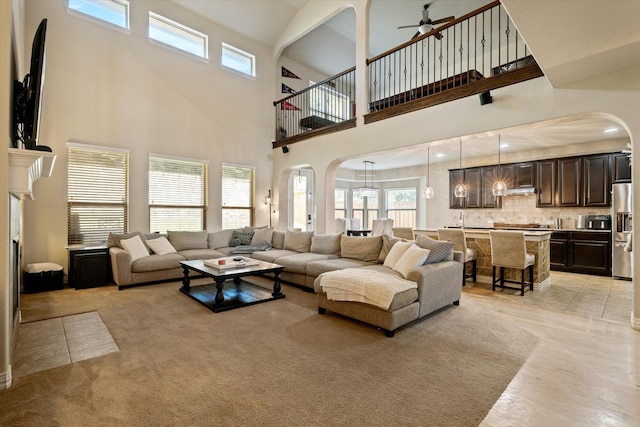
[[473, 181], [489, 177], [547, 171], [596, 180], [569, 193], [620, 168], [524, 175], [456, 177]]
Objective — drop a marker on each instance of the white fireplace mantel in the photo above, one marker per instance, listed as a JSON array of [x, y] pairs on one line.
[[25, 167]]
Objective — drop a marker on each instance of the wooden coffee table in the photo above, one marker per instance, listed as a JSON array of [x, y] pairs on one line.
[[230, 291]]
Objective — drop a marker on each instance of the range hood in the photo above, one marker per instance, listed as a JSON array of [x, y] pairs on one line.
[[525, 191]]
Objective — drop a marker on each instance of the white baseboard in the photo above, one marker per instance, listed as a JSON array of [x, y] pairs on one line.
[[5, 379]]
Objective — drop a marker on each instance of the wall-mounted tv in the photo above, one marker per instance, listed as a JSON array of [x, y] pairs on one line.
[[28, 95]]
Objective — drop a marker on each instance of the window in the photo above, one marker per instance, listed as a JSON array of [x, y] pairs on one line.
[[326, 102], [365, 207], [177, 35], [97, 201], [401, 207], [177, 194], [237, 196], [340, 203], [238, 60], [115, 12]]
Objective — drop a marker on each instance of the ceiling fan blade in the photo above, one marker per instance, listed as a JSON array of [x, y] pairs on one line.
[[408, 26], [415, 35], [438, 36], [442, 20]]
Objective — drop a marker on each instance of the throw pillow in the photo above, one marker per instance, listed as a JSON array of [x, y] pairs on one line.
[[161, 246], [412, 258], [326, 244], [135, 247], [262, 236], [182, 240], [387, 244], [299, 241], [241, 237], [360, 248], [277, 240], [438, 250], [115, 239], [220, 239], [397, 250]]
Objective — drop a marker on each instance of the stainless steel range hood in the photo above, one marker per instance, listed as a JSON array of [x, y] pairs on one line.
[[526, 191]]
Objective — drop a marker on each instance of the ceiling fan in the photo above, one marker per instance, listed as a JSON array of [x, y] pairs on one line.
[[426, 24]]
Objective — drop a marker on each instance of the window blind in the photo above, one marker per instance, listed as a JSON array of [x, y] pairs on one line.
[[177, 194], [97, 201], [237, 196]]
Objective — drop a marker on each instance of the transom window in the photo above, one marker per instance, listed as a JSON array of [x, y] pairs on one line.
[[115, 12], [401, 206], [238, 60], [237, 196], [177, 35], [177, 194], [97, 193]]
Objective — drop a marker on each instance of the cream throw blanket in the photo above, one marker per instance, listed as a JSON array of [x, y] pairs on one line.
[[361, 285]]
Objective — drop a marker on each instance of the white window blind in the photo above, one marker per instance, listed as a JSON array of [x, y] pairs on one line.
[[177, 194], [97, 204], [237, 196]]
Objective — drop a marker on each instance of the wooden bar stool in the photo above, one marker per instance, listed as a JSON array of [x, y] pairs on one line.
[[459, 240], [509, 250]]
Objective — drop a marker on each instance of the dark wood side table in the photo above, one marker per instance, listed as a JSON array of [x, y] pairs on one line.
[[89, 266]]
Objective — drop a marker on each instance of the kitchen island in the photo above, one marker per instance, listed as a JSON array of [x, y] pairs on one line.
[[538, 244]]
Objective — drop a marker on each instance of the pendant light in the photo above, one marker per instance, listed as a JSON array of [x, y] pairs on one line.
[[461, 189], [367, 191], [427, 193], [499, 187]]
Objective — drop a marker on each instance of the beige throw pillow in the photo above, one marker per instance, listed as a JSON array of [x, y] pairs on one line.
[[161, 246], [135, 247], [397, 250], [360, 248], [412, 258]]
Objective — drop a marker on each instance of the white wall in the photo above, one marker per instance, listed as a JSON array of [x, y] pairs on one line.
[[109, 88]]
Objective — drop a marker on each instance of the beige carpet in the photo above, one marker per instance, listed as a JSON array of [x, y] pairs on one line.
[[273, 364]]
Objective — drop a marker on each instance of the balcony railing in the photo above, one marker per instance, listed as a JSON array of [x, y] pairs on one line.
[[469, 55], [325, 107]]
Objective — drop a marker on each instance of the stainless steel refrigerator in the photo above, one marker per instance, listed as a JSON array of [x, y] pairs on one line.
[[622, 215]]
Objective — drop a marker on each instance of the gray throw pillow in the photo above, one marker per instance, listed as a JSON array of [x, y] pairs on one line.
[[438, 250], [241, 237]]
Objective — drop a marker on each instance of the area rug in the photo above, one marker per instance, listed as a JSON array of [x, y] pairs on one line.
[[272, 364]]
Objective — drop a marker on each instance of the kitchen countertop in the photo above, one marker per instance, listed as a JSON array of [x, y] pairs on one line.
[[523, 229]]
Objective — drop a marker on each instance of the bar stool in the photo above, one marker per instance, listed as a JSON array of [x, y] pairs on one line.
[[382, 226], [509, 250], [403, 232], [457, 237]]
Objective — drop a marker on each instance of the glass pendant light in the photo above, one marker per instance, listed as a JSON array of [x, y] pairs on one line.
[[461, 189], [427, 193], [499, 187], [367, 191]]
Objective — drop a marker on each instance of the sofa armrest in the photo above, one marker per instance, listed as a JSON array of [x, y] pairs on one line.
[[120, 266], [438, 284]]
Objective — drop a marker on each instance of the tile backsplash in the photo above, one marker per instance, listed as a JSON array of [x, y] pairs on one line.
[[522, 210]]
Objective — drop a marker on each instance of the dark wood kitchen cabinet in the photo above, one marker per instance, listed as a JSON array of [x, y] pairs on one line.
[[489, 177], [547, 180], [473, 181], [569, 193], [524, 175], [586, 252], [620, 168], [596, 180], [456, 177]]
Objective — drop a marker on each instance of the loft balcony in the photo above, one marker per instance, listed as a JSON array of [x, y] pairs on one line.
[[470, 55]]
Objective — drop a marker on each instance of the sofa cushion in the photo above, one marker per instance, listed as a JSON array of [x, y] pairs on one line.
[[272, 254], [387, 244], [114, 238], [277, 239], [135, 247], [182, 240], [156, 262], [316, 268], [326, 244], [160, 246], [361, 248], [414, 257], [299, 241], [262, 236], [219, 239], [398, 249], [201, 254], [438, 250], [298, 263]]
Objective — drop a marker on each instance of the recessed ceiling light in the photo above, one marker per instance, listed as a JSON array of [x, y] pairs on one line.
[[439, 155], [504, 145], [610, 130]]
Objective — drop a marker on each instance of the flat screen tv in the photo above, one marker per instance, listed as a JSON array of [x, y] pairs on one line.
[[28, 95]]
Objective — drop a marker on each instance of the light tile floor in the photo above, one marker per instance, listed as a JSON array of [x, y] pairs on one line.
[[50, 343], [581, 294]]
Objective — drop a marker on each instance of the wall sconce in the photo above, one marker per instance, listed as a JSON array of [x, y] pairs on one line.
[[269, 204]]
